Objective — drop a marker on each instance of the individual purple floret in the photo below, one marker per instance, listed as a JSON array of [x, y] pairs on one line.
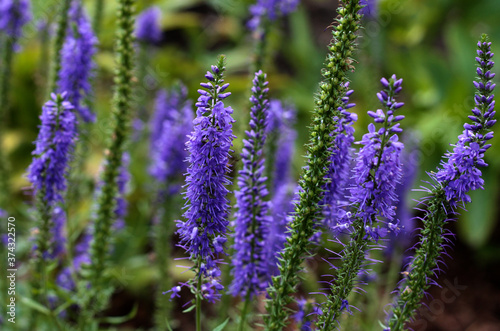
[[147, 28], [460, 173], [269, 9], [340, 162], [170, 125], [54, 145], [14, 14], [203, 234], [76, 61], [250, 262], [378, 168]]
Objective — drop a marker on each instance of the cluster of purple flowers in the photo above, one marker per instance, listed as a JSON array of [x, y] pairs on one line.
[[148, 27], [269, 9], [55, 142], [76, 61], [460, 173], [340, 161], [281, 119], [170, 125], [250, 262], [378, 167], [203, 234], [14, 14]]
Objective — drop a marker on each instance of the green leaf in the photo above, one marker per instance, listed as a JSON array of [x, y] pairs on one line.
[[222, 326], [121, 319], [35, 305], [187, 310]]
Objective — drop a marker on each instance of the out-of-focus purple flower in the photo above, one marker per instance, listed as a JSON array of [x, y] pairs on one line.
[[76, 61], [14, 14], [409, 160], [269, 9], [147, 28], [460, 173], [203, 234], [371, 8], [54, 145], [378, 168], [280, 129], [81, 256], [340, 162], [303, 313], [250, 262], [170, 126], [58, 233]]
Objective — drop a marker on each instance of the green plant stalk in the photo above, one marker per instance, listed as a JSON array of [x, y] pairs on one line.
[[198, 299], [94, 300], [5, 73], [5, 69], [425, 259], [163, 239], [97, 18], [307, 210], [261, 45], [55, 66]]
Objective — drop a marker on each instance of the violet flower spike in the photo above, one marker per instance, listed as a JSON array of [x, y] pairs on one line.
[[170, 126], [148, 28], [250, 262], [14, 14], [269, 9], [203, 234], [54, 145], [340, 162], [77, 63]]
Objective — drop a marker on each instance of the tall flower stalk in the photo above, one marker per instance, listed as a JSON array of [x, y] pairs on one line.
[[302, 227], [250, 262], [47, 173], [55, 65], [203, 234], [459, 174], [77, 65], [377, 172], [170, 126], [94, 295]]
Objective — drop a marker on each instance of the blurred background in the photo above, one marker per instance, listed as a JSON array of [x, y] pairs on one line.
[[430, 44]]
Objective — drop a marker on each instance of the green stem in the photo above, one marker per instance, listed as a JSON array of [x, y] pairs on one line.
[[163, 239], [62, 24], [95, 299], [308, 211], [5, 73], [198, 300], [244, 312], [261, 45], [97, 19]]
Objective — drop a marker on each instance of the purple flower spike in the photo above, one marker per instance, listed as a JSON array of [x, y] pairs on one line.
[[340, 162], [170, 126], [76, 61], [269, 9], [250, 263], [460, 173], [148, 27], [377, 170], [13, 16], [203, 233], [54, 145]]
